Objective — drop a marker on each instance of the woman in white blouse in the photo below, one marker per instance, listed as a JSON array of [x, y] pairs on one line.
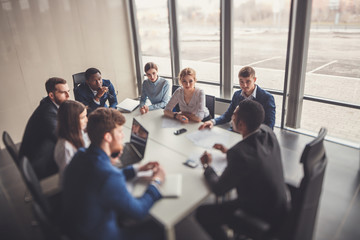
[[191, 100], [72, 121]]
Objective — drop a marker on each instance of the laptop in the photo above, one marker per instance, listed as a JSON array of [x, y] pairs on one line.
[[134, 150]]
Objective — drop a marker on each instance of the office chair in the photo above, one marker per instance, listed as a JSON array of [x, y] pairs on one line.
[[300, 222], [14, 153], [78, 78], [210, 104], [11, 148], [173, 89], [50, 206]]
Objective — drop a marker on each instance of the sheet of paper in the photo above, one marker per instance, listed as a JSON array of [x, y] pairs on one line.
[[219, 161], [170, 123], [207, 138]]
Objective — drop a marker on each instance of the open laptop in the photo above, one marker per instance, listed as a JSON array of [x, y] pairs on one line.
[[135, 149]]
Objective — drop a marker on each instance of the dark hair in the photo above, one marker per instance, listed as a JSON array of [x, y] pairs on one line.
[[149, 66], [91, 71], [68, 125], [246, 72], [52, 82], [101, 121], [251, 113]]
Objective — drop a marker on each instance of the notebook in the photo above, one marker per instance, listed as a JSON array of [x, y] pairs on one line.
[[128, 105], [170, 188], [134, 150]]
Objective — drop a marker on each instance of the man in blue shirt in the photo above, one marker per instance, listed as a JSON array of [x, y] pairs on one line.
[[95, 196], [251, 91], [95, 91]]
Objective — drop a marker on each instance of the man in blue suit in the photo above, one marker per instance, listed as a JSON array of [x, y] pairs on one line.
[[95, 196], [251, 91], [95, 91]]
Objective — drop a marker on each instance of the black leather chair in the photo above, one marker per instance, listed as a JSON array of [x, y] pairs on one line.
[[78, 78], [50, 206], [300, 222], [11, 148]]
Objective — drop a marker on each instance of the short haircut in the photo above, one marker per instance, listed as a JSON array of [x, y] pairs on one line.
[[251, 113], [101, 121], [91, 71], [68, 124], [185, 72], [51, 83], [149, 66], [246, 72]]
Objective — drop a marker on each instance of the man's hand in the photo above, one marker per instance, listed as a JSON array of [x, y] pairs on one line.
[[144, 109], [101, 91], [206, 158], [159, 174], [220, 147], [149, 166], [208, 124]]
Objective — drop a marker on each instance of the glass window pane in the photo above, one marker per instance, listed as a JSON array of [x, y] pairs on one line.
[[153, 27], [199, 36], [333, 67], [260, 40]]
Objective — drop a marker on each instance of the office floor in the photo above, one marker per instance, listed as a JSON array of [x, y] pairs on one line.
[[338, 216]]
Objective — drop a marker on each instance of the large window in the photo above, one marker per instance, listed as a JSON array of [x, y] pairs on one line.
[[333, 68], [260, 41], [153, 26], [199, 35]]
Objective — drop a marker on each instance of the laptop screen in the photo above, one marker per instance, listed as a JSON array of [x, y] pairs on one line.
[[139, 136]]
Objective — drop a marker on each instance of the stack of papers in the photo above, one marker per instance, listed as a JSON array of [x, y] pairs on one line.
[[128, 105]]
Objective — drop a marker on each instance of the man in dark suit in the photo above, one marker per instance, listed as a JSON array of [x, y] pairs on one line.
[[254, 169], [39, 138], [249, 90], [95, 91]]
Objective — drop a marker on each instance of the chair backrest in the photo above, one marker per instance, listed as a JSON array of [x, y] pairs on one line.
[[210, 104], [173, 89], [33, 185], [78, 78], [11, 148], [305, 199]]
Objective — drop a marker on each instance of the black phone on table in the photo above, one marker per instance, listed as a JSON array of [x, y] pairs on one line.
[[180, 131]]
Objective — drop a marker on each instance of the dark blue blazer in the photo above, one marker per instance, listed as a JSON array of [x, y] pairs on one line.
[[262, 96], [84, 94], [40, 138], [95, 197]]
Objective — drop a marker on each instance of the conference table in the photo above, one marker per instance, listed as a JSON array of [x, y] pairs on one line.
[[171, 151]]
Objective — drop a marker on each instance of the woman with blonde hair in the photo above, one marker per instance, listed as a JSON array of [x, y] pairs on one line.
[[191, 100], [72, 121]]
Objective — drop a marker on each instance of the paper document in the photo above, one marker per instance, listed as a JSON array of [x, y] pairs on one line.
[[128, 105], [219, 161], [207, 138]]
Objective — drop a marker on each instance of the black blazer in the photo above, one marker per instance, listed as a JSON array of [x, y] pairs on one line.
[[255, 170], [39, 139]]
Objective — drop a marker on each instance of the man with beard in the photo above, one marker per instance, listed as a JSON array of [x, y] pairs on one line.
[[40, 138]]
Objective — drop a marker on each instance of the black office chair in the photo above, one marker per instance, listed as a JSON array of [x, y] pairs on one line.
[[50, 206], [78, 78], [173, 89], [11, 148], [300, 222]]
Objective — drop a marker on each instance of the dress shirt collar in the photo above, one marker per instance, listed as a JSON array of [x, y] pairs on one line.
[[252, 133], [252, 96], [156, 82], [93, 91], [56, 105], [93, 149]]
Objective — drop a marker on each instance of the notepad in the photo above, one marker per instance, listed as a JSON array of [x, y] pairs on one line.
[[128, 105], [171, 188]]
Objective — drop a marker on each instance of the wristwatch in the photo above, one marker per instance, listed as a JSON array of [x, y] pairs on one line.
[[156, 180]]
